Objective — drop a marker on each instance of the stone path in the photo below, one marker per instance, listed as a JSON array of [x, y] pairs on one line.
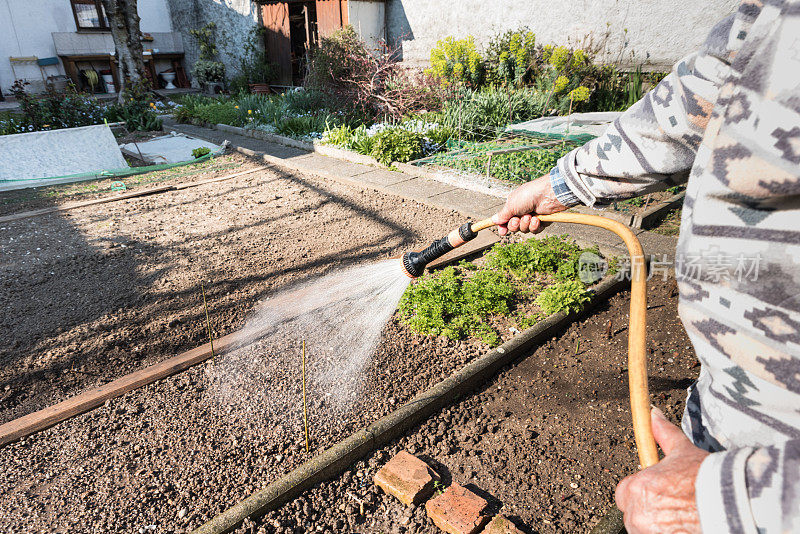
[[423, 190]]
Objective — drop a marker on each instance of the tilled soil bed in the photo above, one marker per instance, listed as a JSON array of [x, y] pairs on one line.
[[92, 294], [546, 441]]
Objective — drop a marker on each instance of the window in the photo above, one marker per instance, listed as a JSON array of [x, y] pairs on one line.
[[89, 15]]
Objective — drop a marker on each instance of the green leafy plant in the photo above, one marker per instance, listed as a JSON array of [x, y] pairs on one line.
[[532, 256], [218, 112], [52, 110], [454, 306], [511, 57], [201, 151], [301, 126], [461, 301], [206, 40], [396, 144], [207, 69], [563, 296]]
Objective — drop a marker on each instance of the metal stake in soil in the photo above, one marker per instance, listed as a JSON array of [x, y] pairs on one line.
[[305, 409], [208, 321]]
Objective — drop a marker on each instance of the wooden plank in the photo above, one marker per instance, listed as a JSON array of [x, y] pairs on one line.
[[275, 18], [124, 196], [47, 417]]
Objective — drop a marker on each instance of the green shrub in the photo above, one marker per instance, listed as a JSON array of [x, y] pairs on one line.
[[511, 57], [452, 305], [396, 144], [563, 296], [307, 101], [301, 126], [187, 106], [52, 110], [532, 256], [137, 115], [218, 112], [482, 114], [201, 151]]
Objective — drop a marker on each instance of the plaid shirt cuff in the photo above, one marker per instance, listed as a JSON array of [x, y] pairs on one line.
[[563, 193]]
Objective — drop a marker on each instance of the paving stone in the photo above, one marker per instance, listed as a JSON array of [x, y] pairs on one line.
[[466, 201], [501, 525], [458, 511], [382, 178], [419, 188], [407, 477]]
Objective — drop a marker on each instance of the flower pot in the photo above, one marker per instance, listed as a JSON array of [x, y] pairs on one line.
[[259, 88]]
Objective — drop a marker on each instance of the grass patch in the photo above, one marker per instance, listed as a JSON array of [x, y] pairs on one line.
[[513, 285]]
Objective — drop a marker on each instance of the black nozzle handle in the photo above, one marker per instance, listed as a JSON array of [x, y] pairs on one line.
[[414, 263]]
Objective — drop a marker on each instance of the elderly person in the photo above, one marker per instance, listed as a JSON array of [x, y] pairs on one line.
[[726, 121]]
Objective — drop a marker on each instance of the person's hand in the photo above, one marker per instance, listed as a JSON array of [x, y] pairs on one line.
[[661, 498], [524, 203]]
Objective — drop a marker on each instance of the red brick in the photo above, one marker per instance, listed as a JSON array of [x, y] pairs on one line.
[[458, 511], [501, 525], [407, 477]]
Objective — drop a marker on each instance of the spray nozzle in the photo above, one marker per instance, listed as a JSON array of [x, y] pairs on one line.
[[414, 263]]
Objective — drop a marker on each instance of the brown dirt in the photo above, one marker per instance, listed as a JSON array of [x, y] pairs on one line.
[[91, 294], [547, 440]]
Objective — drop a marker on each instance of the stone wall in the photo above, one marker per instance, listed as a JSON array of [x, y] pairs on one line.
[[651, 32], [234, 19]]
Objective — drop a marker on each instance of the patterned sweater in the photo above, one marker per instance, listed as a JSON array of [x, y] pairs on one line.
[[726, 121]]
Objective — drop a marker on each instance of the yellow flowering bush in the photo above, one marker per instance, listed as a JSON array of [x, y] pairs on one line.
[[511, 57], [560, 58], [580, 94], [560, 84], [457, 61]]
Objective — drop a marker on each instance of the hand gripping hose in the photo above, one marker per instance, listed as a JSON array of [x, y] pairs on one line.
[[414, 264]]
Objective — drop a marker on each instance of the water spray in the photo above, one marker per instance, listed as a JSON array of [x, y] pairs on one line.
[[414, 264]]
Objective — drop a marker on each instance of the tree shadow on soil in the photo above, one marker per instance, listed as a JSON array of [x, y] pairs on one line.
[[79, 311]]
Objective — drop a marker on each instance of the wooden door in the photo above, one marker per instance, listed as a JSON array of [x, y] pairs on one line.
[[277, 41], [331, 16]]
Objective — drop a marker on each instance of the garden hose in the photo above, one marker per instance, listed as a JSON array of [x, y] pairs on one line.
[[414, 264]]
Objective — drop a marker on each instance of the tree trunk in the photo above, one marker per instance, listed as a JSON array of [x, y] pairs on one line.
[[123, 19]]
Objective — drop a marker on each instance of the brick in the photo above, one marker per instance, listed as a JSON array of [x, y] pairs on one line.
[[407, 477], [501, 525], [458, 511]]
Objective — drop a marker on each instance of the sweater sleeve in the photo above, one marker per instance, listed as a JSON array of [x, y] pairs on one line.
[[653, 144], [750, 490]]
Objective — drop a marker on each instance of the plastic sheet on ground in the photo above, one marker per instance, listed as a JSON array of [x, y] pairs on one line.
[[574, 126], [172, 148], [30, 159]]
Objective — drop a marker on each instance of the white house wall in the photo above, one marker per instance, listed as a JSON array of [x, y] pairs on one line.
[[26, 27], [234, 20], [656, 32], [368, 19]]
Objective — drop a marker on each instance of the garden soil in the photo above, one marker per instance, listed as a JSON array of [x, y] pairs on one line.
[[545, 442]]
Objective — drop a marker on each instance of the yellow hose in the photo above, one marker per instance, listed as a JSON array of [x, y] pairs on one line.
[[637, 327]]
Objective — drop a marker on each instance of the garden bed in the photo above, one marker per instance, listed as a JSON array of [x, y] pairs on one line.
[[546, 441], [124, 293]]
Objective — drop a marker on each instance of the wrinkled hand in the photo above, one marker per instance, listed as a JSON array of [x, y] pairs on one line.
[[524, 203], [661, 498]]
